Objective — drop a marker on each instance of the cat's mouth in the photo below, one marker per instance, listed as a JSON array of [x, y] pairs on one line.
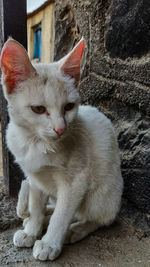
[[60, 134], [49, 136], [60, 137], [54, 138]]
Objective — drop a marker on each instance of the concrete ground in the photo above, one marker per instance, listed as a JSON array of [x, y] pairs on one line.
[[117, 246], [120, 245]]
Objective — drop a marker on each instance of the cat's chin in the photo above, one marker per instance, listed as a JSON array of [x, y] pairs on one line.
[[59, 138], [55, 139]]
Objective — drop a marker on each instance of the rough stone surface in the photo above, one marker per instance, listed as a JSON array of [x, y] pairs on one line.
[[65, 30], [128, 28], [119, 88]]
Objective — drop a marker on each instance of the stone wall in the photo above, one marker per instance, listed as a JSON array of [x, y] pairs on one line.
[[115, 76]]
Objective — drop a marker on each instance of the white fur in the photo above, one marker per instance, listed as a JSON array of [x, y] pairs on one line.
[[80, 170], [23, 198]]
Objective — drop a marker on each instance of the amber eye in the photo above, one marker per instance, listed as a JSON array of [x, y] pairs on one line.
[[38, 109], [69, 106]]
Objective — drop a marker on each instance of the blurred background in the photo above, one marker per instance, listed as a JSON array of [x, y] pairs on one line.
[[40, 30]]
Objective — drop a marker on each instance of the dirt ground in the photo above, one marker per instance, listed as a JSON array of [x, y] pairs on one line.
[[120, 245], [117, 246]]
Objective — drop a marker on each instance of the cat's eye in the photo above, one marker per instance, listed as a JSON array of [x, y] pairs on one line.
[[69, 106], [38, 109]]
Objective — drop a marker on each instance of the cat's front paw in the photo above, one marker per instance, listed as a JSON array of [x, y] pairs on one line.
[[21, 239], [42, 251]]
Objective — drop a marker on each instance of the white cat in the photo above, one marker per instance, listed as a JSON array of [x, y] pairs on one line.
[[68, 151]]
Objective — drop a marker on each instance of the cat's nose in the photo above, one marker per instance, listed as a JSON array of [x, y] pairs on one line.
[[60, 131]]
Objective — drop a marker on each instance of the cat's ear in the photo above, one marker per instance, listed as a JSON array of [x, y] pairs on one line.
[[15, 64], [71, 63]]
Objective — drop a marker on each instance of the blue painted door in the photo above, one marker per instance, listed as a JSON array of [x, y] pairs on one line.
[[37, 43]]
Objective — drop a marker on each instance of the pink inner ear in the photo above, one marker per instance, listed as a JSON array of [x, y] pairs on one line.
[[71, 66], [9, 73], [15, 64]]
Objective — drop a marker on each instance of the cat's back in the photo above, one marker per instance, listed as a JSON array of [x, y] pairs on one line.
[[94, 120], [99, 132]]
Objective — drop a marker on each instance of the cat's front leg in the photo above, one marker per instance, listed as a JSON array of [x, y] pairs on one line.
[[68, 199], [23, 200], [33, 226]]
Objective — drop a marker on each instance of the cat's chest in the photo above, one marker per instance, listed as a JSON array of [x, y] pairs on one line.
[[47, 179], [33, 160], [31, 156]]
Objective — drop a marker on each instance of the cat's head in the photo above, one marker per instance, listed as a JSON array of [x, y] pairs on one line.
[[43, 97]]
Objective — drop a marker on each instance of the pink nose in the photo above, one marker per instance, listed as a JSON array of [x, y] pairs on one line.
[[60, 131]]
